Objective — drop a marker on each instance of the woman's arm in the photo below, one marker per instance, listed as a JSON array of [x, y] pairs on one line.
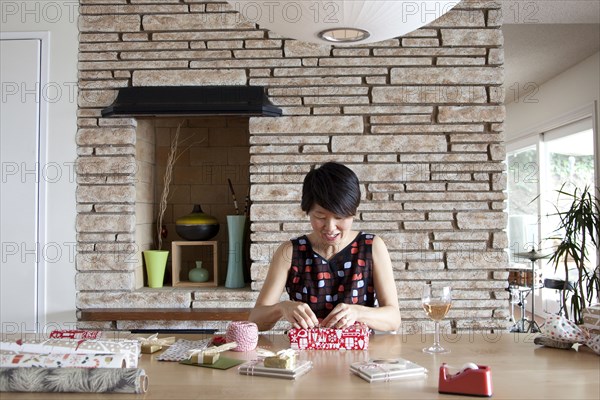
[[386, 317], [268, 309]]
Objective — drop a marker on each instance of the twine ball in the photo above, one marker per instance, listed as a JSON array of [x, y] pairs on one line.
[[244, 333]]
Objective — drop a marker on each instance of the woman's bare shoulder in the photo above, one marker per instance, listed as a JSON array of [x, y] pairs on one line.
[[283, 254]]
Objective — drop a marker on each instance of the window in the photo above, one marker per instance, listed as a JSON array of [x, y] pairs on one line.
[[523, 209], [539, 166]]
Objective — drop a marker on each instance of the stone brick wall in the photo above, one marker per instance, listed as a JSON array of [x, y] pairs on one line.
[[419, 118]]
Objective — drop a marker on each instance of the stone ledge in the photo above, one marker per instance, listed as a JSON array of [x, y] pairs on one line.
[[162, 314]]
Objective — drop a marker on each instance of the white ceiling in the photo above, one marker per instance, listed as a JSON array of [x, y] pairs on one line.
[[543, 38], [550, 11]]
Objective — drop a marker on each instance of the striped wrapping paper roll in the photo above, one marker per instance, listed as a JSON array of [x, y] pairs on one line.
[[244, 333], [29, 360], [88, 380]]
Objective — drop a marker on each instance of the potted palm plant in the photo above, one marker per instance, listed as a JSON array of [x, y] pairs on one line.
[[578, 234]]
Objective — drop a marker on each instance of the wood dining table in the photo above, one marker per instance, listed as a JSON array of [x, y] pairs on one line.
[[519, 369]]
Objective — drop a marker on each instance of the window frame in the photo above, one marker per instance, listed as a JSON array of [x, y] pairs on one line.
[[537, 137]]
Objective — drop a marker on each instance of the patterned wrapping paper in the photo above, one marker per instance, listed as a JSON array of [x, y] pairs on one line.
[[88, 380], [29, 360], [591, 319], [130, 349], [355, 337], [562, 330], [181, 349]]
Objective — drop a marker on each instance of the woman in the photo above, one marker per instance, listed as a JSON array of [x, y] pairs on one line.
[[335, 276]]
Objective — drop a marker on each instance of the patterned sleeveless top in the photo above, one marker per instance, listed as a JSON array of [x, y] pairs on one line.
[[347, 277]]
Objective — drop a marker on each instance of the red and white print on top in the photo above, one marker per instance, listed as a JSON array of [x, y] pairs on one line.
[[355, 337]]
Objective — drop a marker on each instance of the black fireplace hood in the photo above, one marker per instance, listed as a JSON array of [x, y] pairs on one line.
[[164, 101]]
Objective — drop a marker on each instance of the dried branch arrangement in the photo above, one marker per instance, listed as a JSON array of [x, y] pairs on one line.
[[162, 204], [172, 158]]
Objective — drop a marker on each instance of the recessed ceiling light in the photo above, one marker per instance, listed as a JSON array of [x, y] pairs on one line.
[[345, 35]]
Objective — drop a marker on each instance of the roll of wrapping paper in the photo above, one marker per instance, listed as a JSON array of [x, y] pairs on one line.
[[30, 360], [129, 348], [88, 380]]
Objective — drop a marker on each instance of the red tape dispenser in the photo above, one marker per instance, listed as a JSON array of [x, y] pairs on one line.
[[472, 380]]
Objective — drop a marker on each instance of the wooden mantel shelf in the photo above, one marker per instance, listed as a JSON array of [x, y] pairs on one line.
[[160, 314]]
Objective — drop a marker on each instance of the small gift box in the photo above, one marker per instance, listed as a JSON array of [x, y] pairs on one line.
[[152, 344], [204, 357], [75, 334], [210, 355], [148, 348], [285, 359], [355, 337]]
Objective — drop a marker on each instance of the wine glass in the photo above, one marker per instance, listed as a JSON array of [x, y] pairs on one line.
[[436, 302]]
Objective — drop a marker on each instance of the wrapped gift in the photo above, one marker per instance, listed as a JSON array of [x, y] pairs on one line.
[[149, 348], [152, 344], [257, 368], [355, 337], [591, 319], [285, 359], [209, 355], [75, 334], [204, 357]]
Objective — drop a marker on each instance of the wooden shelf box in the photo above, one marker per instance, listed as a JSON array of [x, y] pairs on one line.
[[184, 257]]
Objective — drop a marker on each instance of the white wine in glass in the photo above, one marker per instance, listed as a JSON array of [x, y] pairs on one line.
[[436, 303]]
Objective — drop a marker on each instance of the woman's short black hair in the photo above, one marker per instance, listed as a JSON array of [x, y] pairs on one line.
[[334, 187]]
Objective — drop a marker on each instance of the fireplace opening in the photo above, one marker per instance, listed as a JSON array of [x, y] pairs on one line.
[[211, 150]]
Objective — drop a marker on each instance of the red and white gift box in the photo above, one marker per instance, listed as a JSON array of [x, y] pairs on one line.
[[355, 337], [75, 334]]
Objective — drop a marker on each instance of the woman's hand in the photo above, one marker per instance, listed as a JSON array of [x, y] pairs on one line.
[[342, 316], [299, 314]]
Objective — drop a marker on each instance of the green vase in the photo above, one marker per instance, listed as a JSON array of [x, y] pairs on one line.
[[235, 259], [156, 263], [198, 274]]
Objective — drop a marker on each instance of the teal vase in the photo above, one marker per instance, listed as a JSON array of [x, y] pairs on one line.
[[235, 259], [198, 274]]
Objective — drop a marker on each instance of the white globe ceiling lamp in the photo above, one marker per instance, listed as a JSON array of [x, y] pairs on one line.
[[342, 22]]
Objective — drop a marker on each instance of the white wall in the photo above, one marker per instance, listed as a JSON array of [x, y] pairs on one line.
[[60, 19], [569, 92]]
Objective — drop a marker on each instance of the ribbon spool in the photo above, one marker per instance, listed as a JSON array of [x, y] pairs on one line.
[[244, 333]]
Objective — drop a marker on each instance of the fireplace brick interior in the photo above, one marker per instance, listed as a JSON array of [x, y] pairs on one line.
[[418, 118]]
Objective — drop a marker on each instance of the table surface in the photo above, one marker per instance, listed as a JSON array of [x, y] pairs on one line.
[[520, 370]]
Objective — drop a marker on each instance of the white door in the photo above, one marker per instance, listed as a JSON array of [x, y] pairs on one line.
[[20, 62]]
